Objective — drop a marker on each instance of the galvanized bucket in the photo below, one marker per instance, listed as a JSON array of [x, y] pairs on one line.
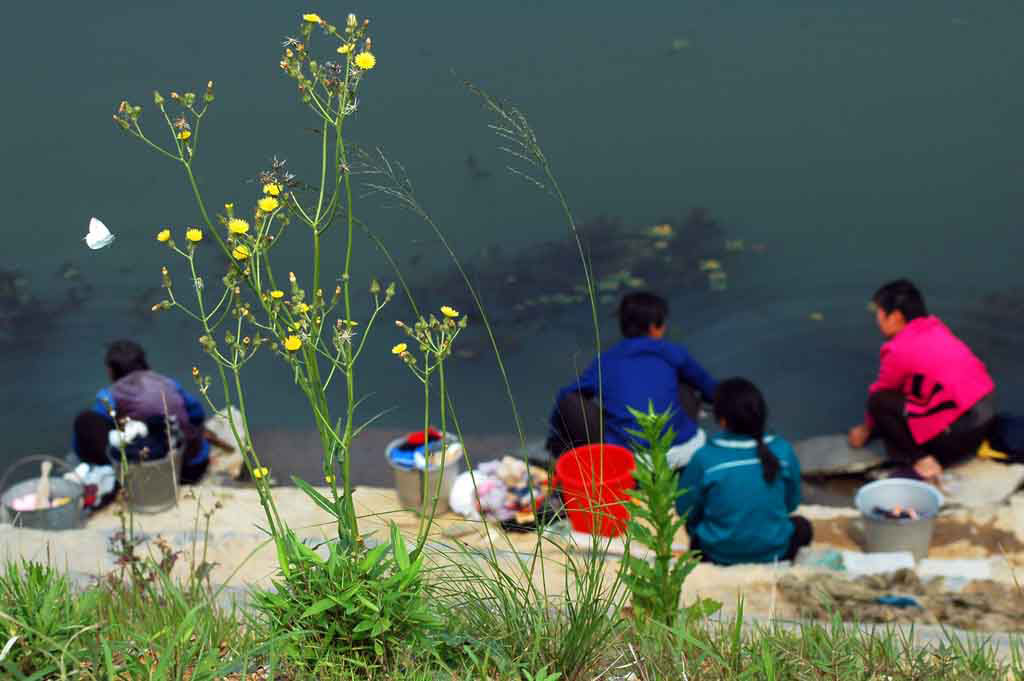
[[884, 535], [152, 486], [409, 482], [68, 516]]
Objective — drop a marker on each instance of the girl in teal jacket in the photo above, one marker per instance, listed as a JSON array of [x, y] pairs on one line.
[[741, 487]]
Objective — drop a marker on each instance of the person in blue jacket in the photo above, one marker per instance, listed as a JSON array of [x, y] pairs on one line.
[[141, 394], [740, 489], [642, 368]]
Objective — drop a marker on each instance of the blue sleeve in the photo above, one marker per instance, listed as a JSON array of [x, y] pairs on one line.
[[196, 414], [104, 402], [791, 477], [691, 502], [692, 373], [585, 383]]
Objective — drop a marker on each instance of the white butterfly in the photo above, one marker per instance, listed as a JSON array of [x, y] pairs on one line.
[[98, 236]]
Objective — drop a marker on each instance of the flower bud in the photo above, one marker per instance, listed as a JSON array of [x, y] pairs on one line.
[[158, 98], [208, 96], [351, 22]]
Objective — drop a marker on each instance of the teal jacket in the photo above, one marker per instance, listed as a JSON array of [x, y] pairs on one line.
[[736, 516]]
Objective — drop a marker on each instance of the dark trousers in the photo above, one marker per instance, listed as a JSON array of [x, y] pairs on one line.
[[578, 419], [91, 432], [803, 533], [958, 442]]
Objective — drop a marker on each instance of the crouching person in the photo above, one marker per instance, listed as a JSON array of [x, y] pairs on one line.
[[741, 487]]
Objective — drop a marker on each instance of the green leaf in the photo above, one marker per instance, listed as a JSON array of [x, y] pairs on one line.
[[373, 557], [318, 499], [399, 549], [365, 625], [318, 607]]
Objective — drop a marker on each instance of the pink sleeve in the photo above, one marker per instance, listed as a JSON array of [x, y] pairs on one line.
[[891, 376]]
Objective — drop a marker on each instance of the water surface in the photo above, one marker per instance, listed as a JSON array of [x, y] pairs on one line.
[[844, 146]]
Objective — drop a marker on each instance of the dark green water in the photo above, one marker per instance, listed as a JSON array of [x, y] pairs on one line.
[[849, 145]]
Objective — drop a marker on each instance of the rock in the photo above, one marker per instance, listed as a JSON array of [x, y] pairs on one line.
[[828, 455]]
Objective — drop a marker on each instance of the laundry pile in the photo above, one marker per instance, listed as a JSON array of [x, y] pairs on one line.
[[507, 491]]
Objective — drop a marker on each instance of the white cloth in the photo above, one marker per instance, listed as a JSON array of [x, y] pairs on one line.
[[680, 455]]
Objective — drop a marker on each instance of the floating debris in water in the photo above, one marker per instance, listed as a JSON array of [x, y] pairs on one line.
[[817, 316], [718, 280], [533, 287], [734, 245], [710, 265], [680, 44]]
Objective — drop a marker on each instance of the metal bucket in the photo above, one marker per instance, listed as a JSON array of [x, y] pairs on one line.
[[409, 482], [883, 535], [152, 486], [66, 517]]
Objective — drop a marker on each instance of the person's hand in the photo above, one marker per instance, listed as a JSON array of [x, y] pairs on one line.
[[928, 468], [859, 436]]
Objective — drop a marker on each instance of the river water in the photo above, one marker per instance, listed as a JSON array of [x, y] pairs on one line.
[[834, 147]]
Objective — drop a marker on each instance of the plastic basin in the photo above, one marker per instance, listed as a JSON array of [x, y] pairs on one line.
[[887, 534]]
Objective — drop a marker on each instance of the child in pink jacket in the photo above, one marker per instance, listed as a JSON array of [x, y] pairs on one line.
[[933, 401]]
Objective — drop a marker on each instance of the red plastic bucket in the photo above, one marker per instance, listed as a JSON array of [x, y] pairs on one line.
[[594, 480]]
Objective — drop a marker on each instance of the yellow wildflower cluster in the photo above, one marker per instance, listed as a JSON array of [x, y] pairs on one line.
[[195, 235], [163, 236], [400, 349], [241, 252], [259, 473], [292, 343], [276, 294], [272, 189], [238, 226], [268, 204]]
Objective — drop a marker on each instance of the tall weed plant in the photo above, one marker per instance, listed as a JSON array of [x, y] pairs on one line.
[[331, 595]]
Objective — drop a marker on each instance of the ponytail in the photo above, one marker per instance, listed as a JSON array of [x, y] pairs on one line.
[[769, 462], [741, 406]]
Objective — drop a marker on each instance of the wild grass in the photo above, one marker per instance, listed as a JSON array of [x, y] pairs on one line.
[[494, 628]]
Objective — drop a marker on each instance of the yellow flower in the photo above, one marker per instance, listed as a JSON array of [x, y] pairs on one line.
[[184, 135], [277, 295], [229, 207], [399, 349], [268, 204], [241, 252], [302, 308], [329, 479], [366, 60], [345, 49], [195, 235], [292, 343], [272, 189], [163, 235], [449, 311], [238, 226], [258, 473], [312, 18]]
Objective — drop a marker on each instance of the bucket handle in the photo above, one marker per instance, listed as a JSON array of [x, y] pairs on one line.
[[34, 458]]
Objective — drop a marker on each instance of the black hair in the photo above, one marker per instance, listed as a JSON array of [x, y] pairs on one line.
[[638, 311], [741, 406], [901, 295], [124, 357]]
